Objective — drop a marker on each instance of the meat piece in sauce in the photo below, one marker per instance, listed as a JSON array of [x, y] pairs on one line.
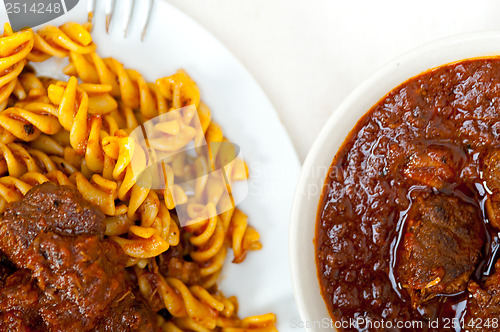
[[441, 247], [491, 174], [18, 298], [484, 303], [58, 237], [47, 208], [434, 166], [175, 263], [6, 268], [127, 314]]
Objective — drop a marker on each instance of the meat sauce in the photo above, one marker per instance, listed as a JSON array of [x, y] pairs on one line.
[[59, 273], [407, 226]]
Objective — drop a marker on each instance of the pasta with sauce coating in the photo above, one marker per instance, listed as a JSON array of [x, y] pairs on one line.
[[14, 49], [77, 133]]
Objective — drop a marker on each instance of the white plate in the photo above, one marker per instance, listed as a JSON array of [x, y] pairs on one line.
[[262, 282], [312, 308]]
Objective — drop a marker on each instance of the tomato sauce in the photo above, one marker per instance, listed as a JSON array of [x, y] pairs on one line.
[[429, 137]]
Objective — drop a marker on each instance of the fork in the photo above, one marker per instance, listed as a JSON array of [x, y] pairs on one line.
[[110, 8]]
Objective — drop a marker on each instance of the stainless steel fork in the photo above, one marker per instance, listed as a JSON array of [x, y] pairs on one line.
[[129, 9]]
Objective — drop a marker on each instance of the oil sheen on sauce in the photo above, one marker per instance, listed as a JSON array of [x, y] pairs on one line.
[[367, 195]]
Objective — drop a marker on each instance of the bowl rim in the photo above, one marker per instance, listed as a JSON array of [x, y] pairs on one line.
[[312, 308]]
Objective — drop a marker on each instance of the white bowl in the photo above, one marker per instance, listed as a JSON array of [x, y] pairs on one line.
[[313, 310]]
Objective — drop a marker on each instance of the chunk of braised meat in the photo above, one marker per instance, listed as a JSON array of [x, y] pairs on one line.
[[484, 303], [127, 314], [150, 291], [173, 263], [6, 268], [47, 208], [176, 263], [58, 237], [491, 175], [435, 166], [441, 246], [81, 277], [18, 299]]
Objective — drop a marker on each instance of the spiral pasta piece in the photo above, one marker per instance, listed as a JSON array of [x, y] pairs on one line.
[[212, 234], [27, 123], [243, 237], [180, 89], [14, 49], [30, 89], [99, 191], [120, 148], [157, 231], [59, 41], [16, 160]]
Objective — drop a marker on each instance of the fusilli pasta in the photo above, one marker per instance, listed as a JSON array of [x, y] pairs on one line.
[[79, 133]]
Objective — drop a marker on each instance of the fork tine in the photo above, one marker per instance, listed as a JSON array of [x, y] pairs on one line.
[[128, 17], [148, 17], [91, 11], [110, 8]]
